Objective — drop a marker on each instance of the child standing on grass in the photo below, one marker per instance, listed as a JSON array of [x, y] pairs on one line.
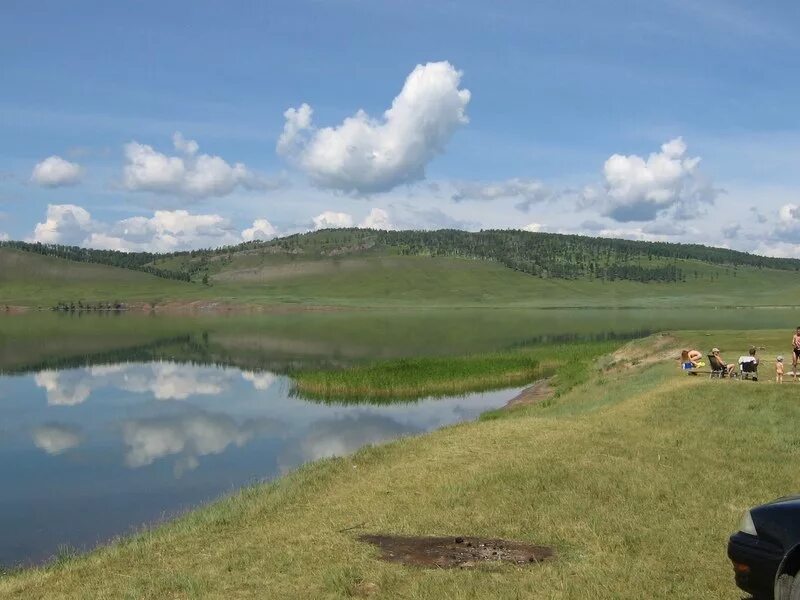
[[779, 370]]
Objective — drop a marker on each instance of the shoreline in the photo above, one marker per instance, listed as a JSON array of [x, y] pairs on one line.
[[634, 433]]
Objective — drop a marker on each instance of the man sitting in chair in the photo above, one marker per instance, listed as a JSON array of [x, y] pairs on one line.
[[729, 368], [748, 365]]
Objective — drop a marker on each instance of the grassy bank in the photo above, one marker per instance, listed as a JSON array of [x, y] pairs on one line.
[[415, 378], [636, 475]]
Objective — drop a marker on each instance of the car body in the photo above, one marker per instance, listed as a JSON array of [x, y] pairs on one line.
[[766, 547]]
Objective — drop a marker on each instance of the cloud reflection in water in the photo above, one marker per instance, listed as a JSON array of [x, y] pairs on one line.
[[56, 438], [188, 437]]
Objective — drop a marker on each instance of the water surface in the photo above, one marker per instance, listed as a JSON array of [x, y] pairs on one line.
[[92, 452]]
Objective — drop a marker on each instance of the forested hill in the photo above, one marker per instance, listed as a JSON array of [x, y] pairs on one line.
[[545, 255]]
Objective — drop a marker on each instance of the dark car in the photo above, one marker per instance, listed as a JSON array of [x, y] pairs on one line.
[[766, 550]]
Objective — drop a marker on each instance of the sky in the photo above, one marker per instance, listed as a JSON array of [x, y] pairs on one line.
[[172, 125]]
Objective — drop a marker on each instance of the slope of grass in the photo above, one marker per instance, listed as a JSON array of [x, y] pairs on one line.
[[29, 279], [637, 476]]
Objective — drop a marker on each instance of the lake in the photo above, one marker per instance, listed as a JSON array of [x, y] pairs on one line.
[[88, 453], [114, 422]]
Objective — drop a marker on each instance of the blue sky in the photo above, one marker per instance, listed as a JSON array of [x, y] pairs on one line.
[[566, 103]]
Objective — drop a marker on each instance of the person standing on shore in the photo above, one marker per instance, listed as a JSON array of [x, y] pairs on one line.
[[795, 351], [779, 370]]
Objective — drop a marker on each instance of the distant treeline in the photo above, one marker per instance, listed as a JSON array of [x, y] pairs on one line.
[[546, 255], [137, 261], [539, 254]]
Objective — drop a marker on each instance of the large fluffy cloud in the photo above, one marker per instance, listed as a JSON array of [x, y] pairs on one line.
[[332, 220], [366, 155], [54, 171], [166, 230], [377, 218], [189, 174], [784, 238], [64, 224], [639, 189], [261, 230]]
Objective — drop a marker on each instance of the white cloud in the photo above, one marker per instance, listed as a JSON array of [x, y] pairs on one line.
[[332, 220], [788, 228], [193, 436], [162, 380], [778, 249], [54, 171], [640, 190], [377, 219], [164, 231], [191, 174], [64, 224], [298, 121], [56, 439], [366, 155], [169, 230], [526, 191], [64, 388], [188, 437], [4, 237], [341, 436], [261, 381], [533, 227], [171, 381], [261, 230]]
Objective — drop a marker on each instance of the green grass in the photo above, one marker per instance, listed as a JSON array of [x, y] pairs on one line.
[[28, 279], [415, 378], [368, 281], [637, 476]]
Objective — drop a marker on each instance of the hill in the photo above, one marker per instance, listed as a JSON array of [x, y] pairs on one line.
[[34, 279], [357, 267]]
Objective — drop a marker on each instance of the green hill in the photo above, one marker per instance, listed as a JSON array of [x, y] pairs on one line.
[[33, 279], [366, 268]]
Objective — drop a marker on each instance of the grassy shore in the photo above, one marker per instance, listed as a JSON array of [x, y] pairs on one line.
[[415, 378], [636, 475]]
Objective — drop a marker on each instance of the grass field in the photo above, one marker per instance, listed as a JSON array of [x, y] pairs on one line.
[[411, 282], [636, 476]]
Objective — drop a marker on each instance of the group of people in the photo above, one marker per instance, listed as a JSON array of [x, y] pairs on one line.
[[693, 359]]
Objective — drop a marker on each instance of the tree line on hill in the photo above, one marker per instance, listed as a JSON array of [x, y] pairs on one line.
[[137, 261], [546, 255]]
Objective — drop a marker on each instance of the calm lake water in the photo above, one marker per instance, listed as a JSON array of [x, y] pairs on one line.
[[88, 453], [111, 422]]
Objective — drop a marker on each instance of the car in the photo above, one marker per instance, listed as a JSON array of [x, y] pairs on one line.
[[766, 550]]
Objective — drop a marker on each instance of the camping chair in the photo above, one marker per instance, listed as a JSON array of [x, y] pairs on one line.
[[749, 370], [718, 369]]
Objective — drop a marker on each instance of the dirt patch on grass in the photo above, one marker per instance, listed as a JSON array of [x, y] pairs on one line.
[[539, 391], [456, 552], [638, 353]]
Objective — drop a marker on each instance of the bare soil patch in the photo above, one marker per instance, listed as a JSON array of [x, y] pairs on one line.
[[456, 552], [535, 393], [641, 353]]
